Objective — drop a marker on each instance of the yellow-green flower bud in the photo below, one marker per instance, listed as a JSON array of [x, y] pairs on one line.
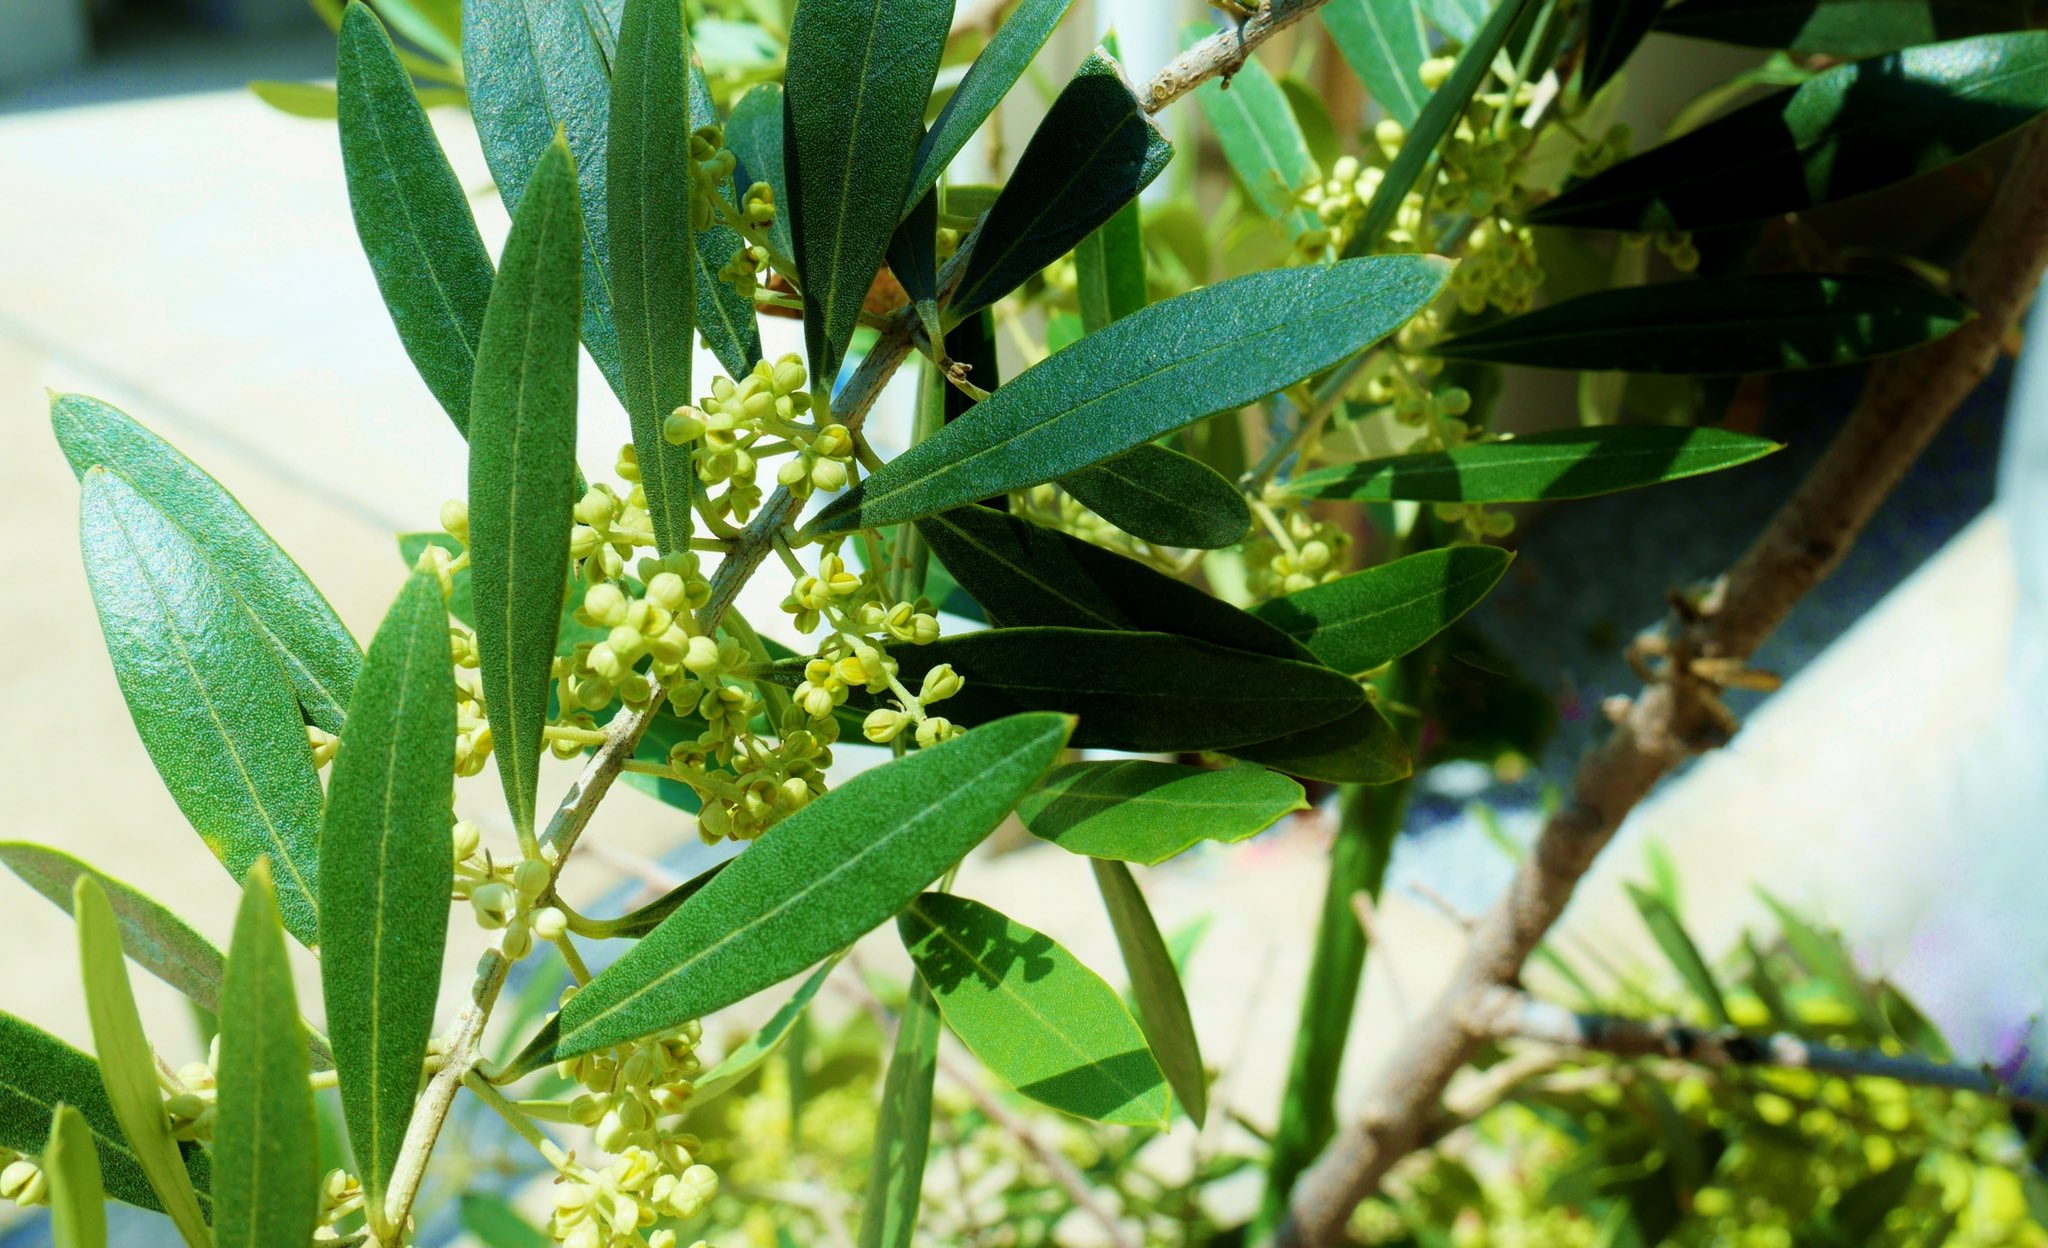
[[23, 1183], [517, 942], [883, 725], [701, 657], [493, 903], [455, 519], [940, 683], [550, 923], [684, 425], [531, 878]]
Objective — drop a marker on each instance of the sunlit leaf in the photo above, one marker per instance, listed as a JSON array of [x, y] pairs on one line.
[[1155, 986], [1568, 463], [1358, 622], [1133, 810], [987, 81]]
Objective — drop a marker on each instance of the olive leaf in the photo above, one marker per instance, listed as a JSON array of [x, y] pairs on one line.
[[1853, 129], [1035, 1016], [522, 472], [810, 886], [903, 1135], [1162, 1003], [1566, 463], [1614, 29], [1135, 810], [411, 213], [987, 81], [386, 872], [913, 259], [754, 135], [854, 93], [203, 685], [128, 1065], [266, 1137], [1383, 42], [1359, 622], [319, 656], [1260, 137], [1678, 947], [78, 1200], [1095, 149], [535, 69], [1361, 747], [1145, 376], [1163, 497], [725, 317], [1109, 270], [1718, 326], [39, 1072], [1847, 29], [650, 181]]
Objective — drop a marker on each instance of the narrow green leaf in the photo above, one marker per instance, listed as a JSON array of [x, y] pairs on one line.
[[536, 68], [1042, 1022], [1382, 41], [913, 258], [760, 1046], [494, 1221], [1132, 810], [1565, 463], [298, 99], [1360, 621], [1358, 748], [725, 317], [1022, 574], [1095, 149], [1825, 958], [318, 655], [903, 1135], [811, 885], [1313, 116], [267, 1138], [386, 872], [1719, 326], [411, 214], [522, 472], [1150, 693], [1614, 29], [1853, 129], [1848, 29], [211, 704], [1681, 952], [1439, 117], [39, 1072], [1261, 140], [128, 1066], [1016, 42], [1163, 497], [1155, 986], [78, 1200], [854, 94], [754, 135], [1144, 376], [1109, 270], [654, 252]]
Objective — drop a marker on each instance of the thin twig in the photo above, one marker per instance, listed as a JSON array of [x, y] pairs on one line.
[[1223, 52], [1905, 402]]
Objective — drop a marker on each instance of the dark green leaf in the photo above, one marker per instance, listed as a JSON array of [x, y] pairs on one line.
[[1260, 138], [913, 258], [1614, 28], [128, 1066], [1857, 1216], [411, 214], [1094, 151], [318, 655], [78, 1200], [1360, 621], [494, 1221], [266, 1138], [37, 1073], [209, 700], [654, 255], [1042, 1022], [760, 1046], [1313, 116], [1681, 952], [1566, 463], [1024, 574], [522, 473], [1155, 986], [1719, 326], [1848, 29], [648, 917], [1382, 41], [1132, 810], [1163, 497], [725, 317], [1439, 117], [903, 1136], [535, 67], [1358, 748], [1144, 376], [1109, 270], [854, 95], [386, 871], [754, 134], [1852, 129], [987, 81], [1150, 693], [811, 885]]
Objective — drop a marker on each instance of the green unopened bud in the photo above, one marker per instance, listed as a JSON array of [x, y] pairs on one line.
[[882, 725], [517, 942], [493, 903], [829, 474], [550, 923], [684, 425], [455, 518], [531, 878], [701, 657]]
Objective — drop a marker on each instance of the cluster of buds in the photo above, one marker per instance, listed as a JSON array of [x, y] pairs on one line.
[[885, 724], [341, 1194], [657, 625], [763, 782], [617, 1207], [22, 1180], [1481, 166], [1677, 247], [712, 163], [609, 529], [1479, 523], [1299, 551], [1597, 154], [756, 215], [1499, 268], [507, 899], [189, 1103], [629, 1088], [728, 427]]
